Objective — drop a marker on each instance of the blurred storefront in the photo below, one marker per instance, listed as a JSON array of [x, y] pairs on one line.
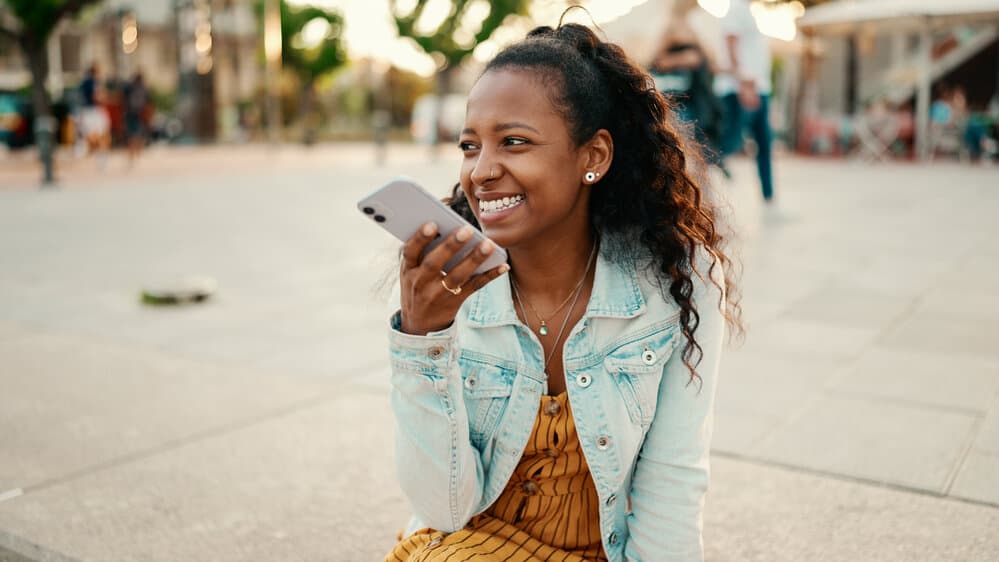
[[872, 70], [199, 57]]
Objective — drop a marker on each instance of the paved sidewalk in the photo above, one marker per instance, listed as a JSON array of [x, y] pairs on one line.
[[858, 421]]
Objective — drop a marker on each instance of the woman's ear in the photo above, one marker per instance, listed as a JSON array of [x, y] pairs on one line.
[[598, 153]]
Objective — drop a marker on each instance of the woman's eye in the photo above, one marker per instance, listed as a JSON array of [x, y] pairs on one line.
[[514, 141], [466, 146]]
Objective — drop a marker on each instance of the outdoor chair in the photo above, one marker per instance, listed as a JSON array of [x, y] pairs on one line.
[[876, 132]]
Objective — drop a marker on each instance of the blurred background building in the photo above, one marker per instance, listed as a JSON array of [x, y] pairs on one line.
[[850, 75]]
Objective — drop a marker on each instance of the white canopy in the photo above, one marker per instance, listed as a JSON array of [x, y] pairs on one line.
[[886, 16], [846, 15]]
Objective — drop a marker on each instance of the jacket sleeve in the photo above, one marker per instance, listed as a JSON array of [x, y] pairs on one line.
[[439, 470], [671, 473]]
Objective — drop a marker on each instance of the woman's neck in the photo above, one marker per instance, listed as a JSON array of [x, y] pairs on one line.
[[549, 271]]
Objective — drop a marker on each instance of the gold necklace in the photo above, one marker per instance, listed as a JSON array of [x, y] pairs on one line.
[[543, 330]]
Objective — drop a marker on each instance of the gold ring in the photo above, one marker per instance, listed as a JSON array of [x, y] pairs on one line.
[[455, 292]]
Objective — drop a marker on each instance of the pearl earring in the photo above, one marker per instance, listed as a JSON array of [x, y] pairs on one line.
[[591, 177]]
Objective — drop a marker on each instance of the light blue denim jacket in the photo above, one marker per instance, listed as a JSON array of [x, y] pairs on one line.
[[465, 400]]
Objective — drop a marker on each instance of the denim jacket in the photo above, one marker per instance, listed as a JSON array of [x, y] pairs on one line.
[[465, 400]]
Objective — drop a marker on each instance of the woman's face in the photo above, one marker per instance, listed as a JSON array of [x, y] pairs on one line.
[[521, 172]]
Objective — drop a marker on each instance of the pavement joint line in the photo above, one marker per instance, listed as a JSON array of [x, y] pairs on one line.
[[88, 339], [848, 478], [962, 458], [829, 383], [938, 408], [835, 377], [11, 494], [30, 550], [175, 444], [807, 404]]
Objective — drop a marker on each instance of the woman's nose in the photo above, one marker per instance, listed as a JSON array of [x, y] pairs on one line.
[[484, 172]]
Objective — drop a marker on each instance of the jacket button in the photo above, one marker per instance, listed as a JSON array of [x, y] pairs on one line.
[[611, 500], [552, 408], [470, 382], [603, 442], [649, 356], [435, 352], [583, 380], [612, 538]]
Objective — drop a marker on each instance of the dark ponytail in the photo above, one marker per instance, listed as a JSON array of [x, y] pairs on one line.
[[647, 195]]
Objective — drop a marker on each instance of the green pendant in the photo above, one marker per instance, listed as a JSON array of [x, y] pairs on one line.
[[543, 330]]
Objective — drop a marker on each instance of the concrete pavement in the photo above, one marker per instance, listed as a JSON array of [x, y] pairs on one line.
[[859, 420]]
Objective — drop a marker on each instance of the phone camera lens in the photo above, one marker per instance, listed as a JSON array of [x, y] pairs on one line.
[[368, 211], [379, 218]]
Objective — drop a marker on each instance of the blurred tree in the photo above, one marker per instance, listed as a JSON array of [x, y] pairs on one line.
[[311, 47], [29, 23], [452, 41], [405, 88]]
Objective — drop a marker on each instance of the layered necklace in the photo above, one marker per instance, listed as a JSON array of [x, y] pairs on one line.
[[573, 297]]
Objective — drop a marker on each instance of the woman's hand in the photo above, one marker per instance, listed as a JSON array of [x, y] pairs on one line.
[[427, 304]]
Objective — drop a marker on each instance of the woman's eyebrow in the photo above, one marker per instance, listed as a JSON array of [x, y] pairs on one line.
[[504, 127], [514, 125]]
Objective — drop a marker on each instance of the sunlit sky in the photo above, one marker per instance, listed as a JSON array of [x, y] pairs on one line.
[[370, 32]]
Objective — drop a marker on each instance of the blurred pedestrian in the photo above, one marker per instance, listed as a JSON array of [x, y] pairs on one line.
[[682, 72], [95, 123], [744, 84], [136, 105]]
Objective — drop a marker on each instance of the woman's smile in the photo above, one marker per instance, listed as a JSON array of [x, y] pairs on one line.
[[495, 209]]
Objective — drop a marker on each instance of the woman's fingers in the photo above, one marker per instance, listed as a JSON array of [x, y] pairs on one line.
[[482, 279], [414, 247], [435, 260], [464, 270], [430, 301]]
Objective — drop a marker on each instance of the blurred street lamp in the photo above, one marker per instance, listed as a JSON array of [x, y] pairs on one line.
[[203, 38], [196, 91], [129, 33], [272, 54]]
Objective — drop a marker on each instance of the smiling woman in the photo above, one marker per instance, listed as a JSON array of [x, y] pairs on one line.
[[560, 408]]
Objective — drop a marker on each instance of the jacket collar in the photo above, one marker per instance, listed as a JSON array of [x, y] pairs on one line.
[[616, 294]]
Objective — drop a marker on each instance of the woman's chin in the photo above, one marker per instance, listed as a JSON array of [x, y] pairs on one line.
[[503, 237]]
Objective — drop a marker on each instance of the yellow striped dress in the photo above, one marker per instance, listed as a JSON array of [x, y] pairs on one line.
[[548, 511]]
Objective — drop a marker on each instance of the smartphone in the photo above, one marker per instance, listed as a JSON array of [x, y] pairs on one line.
[[402, 207]]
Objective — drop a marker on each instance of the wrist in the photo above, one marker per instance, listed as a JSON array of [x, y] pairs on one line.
[[418, 330]]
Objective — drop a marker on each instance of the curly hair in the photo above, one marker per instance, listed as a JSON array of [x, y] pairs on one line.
[[648, 195]]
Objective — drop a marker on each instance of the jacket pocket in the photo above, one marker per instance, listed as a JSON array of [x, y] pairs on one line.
[[637, 369], [486, 392]]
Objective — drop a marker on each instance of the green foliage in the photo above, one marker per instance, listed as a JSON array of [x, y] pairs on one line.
[[39, 17], [442, 41], [309, 62]]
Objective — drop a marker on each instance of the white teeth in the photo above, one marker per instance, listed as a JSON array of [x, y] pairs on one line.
[[495, 205]]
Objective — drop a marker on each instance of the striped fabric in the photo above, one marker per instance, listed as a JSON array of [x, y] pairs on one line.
[[548, 511]]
